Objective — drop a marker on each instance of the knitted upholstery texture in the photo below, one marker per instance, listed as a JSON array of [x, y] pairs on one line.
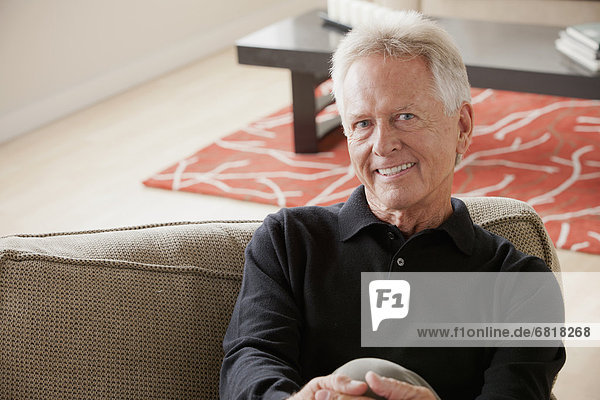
[[141, 312], [122, 314], [516, 221]]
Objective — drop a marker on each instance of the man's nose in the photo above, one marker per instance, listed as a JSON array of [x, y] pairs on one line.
[[385, 141]]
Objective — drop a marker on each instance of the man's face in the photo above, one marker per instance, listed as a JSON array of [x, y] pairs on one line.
[[401, 144]]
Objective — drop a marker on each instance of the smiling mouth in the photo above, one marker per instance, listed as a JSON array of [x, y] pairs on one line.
[[395, 170]]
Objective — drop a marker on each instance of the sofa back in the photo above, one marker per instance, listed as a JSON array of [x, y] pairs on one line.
[[131, 313], [141, 312]]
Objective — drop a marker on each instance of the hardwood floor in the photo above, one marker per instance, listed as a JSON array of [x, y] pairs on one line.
[[85, 171]]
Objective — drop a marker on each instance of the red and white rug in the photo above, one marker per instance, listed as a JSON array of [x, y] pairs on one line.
[[544, 150]]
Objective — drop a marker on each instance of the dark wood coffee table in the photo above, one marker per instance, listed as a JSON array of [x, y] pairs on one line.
[[497, 55]]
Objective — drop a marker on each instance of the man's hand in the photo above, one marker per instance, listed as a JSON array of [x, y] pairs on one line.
[[392, 389], [332, 387], [340, 387]]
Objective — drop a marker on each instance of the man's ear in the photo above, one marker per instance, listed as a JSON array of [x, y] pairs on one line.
[[465, 127]]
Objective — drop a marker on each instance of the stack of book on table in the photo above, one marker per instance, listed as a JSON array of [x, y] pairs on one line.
[[581, 43]]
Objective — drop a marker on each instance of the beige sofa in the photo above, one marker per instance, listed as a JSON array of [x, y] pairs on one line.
[[140, 312]]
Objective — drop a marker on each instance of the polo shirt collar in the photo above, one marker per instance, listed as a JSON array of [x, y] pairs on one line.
[[356, 215], [459, 227]]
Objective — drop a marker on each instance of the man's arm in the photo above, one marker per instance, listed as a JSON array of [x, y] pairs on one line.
[[527, 372], [262, 341], [522, 373]]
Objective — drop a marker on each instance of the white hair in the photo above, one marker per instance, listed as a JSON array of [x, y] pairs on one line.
[[406, 34]]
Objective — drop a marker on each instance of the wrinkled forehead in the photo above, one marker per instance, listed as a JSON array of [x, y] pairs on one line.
[[376, 64], [386, 75]]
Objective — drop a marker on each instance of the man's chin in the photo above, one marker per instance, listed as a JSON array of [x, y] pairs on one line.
[[395, 199]]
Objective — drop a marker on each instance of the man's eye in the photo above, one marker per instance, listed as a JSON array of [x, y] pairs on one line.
[[362, 124], [405, 116]]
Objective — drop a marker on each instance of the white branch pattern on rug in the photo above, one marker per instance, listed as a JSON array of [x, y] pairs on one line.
[[545, 152]]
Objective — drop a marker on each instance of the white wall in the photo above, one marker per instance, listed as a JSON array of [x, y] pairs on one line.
[[58, 56], [537, 12]]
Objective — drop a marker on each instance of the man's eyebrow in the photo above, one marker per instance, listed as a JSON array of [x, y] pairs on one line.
[[363, 115], [355, 116], [404, 108]]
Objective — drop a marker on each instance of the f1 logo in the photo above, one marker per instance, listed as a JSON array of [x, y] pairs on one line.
[[389, 299]]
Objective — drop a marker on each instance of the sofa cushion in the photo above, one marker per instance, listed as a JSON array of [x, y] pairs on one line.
[[516, 221], [126, 313]]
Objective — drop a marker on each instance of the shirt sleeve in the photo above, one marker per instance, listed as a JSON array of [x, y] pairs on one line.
[[261, 344], [522, 373]]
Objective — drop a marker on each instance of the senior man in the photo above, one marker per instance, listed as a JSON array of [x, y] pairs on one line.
[[404, 98]]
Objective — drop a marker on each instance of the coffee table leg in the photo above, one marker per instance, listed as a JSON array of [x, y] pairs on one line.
[[304, 109]]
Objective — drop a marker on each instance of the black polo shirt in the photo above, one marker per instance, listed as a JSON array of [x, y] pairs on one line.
[[298, 311]]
